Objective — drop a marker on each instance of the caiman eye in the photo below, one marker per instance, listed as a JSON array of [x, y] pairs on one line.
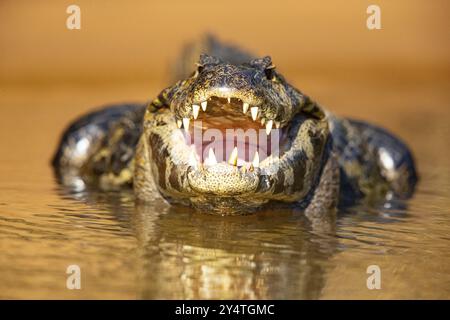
[[270, 72], [198, 70]]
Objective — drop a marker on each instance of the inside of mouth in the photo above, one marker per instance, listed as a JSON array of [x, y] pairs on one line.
[[232, 136]]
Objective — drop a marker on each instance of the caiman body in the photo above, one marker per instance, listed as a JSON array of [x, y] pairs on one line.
[[303, 156]]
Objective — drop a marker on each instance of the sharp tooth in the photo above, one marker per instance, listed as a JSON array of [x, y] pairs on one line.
[[204, 104], [229, 99], [245, 106], [269, 125], [211, 160], [233, 157], [186, 123], [212, 156], [277, 124], [255, 162], [244, 169], [263, 120], [179, 123], [254, 111], [195, 110], [192, 160]]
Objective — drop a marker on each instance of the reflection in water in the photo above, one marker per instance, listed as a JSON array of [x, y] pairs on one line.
[[184, 254], [159, 251], [188, 255]]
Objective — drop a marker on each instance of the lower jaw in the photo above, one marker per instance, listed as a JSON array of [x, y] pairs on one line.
[[226, 206]]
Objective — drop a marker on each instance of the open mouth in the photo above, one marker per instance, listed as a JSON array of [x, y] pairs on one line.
[[229, 130], [228, 151]]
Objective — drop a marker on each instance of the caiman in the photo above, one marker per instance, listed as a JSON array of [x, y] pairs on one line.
[[232, 136]]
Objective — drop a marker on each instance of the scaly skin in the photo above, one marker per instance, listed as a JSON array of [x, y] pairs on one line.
[[323, 159]]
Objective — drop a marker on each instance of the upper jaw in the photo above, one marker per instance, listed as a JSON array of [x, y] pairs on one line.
[[226, 92], [251, 107]]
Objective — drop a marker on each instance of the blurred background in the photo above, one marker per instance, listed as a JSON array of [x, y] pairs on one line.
[[121, 41], [124, 50], [397, 77]]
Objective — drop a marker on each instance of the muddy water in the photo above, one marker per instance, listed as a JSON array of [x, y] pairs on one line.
[[158, 251]]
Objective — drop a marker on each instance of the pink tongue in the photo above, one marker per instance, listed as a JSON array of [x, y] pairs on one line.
[[223, 149]]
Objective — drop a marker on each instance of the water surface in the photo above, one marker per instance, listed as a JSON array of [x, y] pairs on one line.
[[158, 251]]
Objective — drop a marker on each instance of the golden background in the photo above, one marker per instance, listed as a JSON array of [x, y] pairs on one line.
[[397, 77], [123, 41]]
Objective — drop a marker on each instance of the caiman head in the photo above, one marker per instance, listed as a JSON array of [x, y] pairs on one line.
[[231, 138]]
